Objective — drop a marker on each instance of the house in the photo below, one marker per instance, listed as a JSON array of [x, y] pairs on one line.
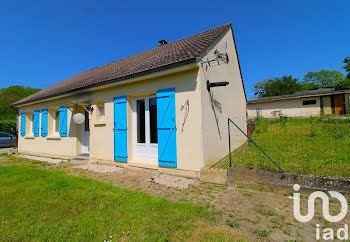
[[165, 108], [306, 103]]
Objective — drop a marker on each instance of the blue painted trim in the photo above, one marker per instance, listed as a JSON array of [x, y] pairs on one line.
[[123, 98], [167, 164], [36, 123], [121, 159], [166, 126], [120, 129], [23, 124], [63, 121], [166, 90], [44, 117]]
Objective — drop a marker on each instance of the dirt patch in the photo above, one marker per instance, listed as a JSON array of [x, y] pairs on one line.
[[173, 181], [99, 168], [5, 150]]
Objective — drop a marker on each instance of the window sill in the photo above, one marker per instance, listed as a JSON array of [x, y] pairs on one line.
[[100, 123], [53, 138], [29, 137]]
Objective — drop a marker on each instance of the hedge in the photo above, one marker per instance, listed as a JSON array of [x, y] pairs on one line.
[[8, 126]]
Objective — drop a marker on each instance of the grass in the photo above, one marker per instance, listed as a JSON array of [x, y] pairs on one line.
[[307, 145], [46, 204], [262, 232]]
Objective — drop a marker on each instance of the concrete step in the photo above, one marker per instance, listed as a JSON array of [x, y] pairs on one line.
[[80, 159]]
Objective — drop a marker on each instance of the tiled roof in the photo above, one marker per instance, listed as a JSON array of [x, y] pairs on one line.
[[305, 93], [165, 55]]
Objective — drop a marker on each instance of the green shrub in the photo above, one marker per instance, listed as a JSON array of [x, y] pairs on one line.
[[7, 113], [8, 126], [279, 117]]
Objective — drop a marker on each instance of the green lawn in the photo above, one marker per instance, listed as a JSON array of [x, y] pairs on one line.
[[46, 204], [311, 146]]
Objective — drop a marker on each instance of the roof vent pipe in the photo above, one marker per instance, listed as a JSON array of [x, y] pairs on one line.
[[162, 42]]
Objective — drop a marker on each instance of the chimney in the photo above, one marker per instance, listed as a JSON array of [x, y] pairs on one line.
[[162, 42]]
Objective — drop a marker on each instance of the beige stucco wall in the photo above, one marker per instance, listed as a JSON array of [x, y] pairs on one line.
[[222, 102], [53, 146], [189, 134], [289, 107], [327, 105]]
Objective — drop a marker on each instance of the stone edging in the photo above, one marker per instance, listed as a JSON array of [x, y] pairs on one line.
[[314, 182]]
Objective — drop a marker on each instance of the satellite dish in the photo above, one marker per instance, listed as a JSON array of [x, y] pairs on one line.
[[78, 118]]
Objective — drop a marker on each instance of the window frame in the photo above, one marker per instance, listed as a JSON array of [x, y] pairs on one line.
[[100, 116], [56, 120], [146, 99], [309, 102], [31, 124]]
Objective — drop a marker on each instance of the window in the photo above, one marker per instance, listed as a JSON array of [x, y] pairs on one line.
[[101, 108], [86, 121], [28, 127], [146, 121], [100, 112], [56, 123], [32, 124], [153, 119], [141, 131], [309, 102]]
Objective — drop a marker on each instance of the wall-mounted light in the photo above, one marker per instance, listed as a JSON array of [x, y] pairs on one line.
[[215, 84]]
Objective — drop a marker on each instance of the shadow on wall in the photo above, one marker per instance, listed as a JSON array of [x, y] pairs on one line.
[[215, 105], [72, 125]]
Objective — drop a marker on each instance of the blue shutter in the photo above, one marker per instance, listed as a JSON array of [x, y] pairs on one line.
[[23, 124], [63, 121], [120, 129], [36, 123], [166, 125], [44, 122]]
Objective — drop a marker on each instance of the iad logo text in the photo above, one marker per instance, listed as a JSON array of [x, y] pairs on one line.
[[328, 233]]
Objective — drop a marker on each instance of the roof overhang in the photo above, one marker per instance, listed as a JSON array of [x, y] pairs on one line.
[[302, 96], [154, 73]]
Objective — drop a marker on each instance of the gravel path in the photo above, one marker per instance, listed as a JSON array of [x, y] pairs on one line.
[[50, 160], [99, 168], [5, 150]]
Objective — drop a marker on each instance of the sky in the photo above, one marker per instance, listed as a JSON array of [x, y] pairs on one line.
[[44, 42]]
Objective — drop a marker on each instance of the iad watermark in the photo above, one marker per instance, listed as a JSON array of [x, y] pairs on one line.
[[327, 233]]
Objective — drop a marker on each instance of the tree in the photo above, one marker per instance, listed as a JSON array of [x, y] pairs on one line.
[[344, 84], [321, 79], [347, 66], [277, 86], [10, 95]]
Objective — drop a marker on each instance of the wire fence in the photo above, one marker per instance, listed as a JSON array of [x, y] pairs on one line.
[[307, 143]]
